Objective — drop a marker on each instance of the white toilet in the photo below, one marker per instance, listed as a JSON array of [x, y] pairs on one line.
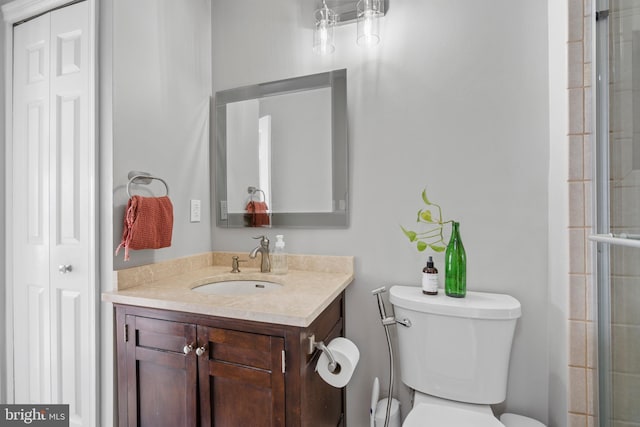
[[454, 352]]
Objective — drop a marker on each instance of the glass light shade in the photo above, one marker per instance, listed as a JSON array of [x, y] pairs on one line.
[[323, 32], [368, 14]]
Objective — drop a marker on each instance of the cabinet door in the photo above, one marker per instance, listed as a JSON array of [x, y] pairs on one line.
[[241, 378], [162, 379]]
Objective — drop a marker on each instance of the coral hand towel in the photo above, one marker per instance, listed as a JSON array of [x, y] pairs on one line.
[[258, 214], [148, 224]]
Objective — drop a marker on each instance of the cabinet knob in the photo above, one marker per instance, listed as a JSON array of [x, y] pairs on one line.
[[64, 268], [187, 348], [201, 350]]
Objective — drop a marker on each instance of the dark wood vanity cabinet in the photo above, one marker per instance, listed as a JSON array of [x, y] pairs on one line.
[[161, 381], [241, 378], [181, 369]]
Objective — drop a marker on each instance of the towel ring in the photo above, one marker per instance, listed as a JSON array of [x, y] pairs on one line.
[[253, 190], [145, 179]]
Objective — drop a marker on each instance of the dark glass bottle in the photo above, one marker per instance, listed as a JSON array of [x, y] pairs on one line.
[[430, 279], [455, 265]]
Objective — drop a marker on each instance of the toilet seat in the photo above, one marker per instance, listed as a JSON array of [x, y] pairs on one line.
[[430, 415]]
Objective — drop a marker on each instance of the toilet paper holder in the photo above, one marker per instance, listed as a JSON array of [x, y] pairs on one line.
[[313, 344]]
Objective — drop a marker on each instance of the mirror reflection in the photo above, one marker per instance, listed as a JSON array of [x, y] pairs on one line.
[[282, 153]]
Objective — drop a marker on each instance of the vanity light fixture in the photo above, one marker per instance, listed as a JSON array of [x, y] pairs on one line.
[[323, 33], [369, 13], [366, 13]]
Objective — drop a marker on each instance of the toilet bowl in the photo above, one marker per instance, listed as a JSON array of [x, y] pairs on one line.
[[454, 353], [428, 415], [430, 411], [513, 420]]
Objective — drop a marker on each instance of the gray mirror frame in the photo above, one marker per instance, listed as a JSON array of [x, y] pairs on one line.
[[339, 218]]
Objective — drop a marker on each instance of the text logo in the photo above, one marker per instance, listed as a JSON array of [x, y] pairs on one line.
[[34, 415]]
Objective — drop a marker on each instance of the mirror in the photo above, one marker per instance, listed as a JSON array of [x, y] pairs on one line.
[[281, 153]]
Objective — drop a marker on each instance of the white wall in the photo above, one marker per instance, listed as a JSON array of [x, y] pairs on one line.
[[161, 95], [155, 90], [456, 99], [558, 214]]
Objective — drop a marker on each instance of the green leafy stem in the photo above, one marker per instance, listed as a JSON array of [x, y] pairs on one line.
[[433, 237]]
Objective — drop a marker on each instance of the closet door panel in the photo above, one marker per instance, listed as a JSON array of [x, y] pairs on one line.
[[70, 183], [69, 388], [36, 384], [69, 201], [32, 340], [36, 150]]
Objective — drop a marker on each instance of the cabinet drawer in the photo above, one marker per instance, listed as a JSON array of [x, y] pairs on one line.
[[160, 334], [242, 348]]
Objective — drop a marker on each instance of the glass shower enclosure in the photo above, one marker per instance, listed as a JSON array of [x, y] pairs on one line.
[[617, 209]]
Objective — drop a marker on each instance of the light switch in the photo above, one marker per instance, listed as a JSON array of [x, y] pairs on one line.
[[223, 210], [195, 211]]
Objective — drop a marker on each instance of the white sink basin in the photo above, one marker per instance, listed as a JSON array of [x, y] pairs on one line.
[[237, 287]]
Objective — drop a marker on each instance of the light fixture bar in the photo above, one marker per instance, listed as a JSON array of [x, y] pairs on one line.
[[346, 10]]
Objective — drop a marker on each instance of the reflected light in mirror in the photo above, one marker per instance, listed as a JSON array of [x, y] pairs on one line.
[[264, 157]]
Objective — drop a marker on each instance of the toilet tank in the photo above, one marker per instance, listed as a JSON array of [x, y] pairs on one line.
[[455, 348]]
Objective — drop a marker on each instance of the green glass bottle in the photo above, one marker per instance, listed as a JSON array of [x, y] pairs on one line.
[[455, 265]]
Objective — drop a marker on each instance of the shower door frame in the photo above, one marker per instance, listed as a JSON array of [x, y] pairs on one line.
[[603, 239], [600, 210]]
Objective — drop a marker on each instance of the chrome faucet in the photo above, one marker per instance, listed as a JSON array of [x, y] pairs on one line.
[[263, 248]]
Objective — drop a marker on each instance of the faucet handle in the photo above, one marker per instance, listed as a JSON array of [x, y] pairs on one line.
[[264, 241]]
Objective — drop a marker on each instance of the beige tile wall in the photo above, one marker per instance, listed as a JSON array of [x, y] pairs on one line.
[[582, 331]]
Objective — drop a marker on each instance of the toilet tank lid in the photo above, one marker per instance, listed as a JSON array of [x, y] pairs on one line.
[[475, 305]]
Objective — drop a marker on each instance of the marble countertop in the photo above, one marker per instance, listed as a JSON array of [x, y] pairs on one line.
[[311, 284]]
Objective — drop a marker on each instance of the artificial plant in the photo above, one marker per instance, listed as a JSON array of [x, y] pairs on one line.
[[433, 237]]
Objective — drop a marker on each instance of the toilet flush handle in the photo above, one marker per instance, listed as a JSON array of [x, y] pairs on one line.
[[404, 322]]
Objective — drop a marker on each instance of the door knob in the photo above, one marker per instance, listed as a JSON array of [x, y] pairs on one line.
[[64, 268], [200, 350], [187, 348]]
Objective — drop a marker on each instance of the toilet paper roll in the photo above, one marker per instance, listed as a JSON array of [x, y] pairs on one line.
[[346, 355]]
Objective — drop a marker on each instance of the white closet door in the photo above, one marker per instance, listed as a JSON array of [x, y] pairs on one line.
[[54, 311], [70, 190], [31, 293]]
